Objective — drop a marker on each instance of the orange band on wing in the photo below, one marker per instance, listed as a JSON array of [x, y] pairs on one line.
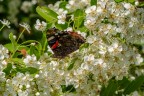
[[55, 45]]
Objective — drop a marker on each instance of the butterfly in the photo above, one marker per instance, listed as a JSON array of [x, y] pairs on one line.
[[63, 43]]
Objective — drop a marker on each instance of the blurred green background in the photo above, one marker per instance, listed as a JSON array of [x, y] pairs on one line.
[[19, 11]]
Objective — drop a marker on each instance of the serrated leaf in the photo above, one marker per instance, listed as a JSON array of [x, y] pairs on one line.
[[48, 14], [134, 85], [110, 89], [93, 2], [14, 43], [78, 18]]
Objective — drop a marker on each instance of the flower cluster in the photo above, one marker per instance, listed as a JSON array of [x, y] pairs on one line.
[[31, 61], [3, 52], [20, 84], [61, 16], [60, 11], [3, 64], [112, 29], [77, 4], [110, 53]]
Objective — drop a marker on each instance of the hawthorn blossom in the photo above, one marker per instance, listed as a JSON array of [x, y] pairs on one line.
[[3, 52], [41, 26], [31, 61], [61, 16], [111, 27], [5, 22], [25, 26]]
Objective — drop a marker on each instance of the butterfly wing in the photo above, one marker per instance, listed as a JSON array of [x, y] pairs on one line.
[[68, 42]]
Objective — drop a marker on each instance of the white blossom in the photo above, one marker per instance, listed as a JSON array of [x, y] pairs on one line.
[[41, 26], [61, 16], [25, 26], [111, 30], [91, 39], [26, 6], [3, 52], [31, 61], [5, 22]]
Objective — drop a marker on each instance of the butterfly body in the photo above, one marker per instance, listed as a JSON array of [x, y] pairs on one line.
[[63, 43]]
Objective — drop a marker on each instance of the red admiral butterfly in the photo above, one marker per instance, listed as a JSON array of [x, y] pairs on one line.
[[63, 43]]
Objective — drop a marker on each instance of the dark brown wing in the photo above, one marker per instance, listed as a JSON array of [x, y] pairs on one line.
[[68, 44]]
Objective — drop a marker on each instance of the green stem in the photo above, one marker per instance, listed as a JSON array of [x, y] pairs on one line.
[[20, 34], [17, 42], [2, 27]]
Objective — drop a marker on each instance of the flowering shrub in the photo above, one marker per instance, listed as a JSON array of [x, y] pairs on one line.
[[109, 63]]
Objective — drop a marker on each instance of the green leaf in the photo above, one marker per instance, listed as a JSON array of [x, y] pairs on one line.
[[134, 85], [61, 26], [93, 2], [32, 70], [130, 1], [71, 64], [69, 88], [29, 42], [83, 29], [14, 43], [39, 48], [48, 14], [23, 47], [123, 83], [63, 4], [34, 50], [38, 45], [78, 18], [49, 25], [141, 5], [21, 69], [118, 1], [17, 61], [85, 45], [44, 42], [110, 89], [90, 77], [9, 46], [7, 70]]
